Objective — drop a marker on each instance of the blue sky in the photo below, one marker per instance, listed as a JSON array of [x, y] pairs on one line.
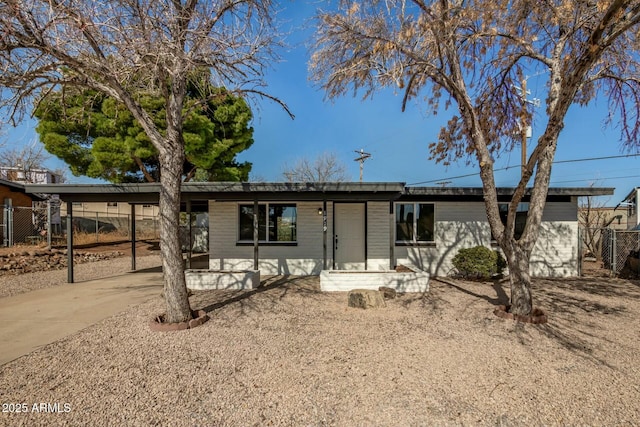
[[398, 142]]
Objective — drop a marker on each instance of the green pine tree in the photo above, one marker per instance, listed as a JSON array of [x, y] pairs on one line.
[[98, 137]]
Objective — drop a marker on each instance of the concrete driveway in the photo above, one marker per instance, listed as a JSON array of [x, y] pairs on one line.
[[33, 319]]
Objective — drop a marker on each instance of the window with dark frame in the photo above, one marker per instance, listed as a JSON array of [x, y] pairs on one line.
[[521, 217], [277, 222], [415, 222]]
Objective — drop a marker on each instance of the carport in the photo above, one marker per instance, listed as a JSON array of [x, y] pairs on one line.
[[195, 197], [134, 194]]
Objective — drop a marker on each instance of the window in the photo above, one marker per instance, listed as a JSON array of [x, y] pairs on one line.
[[112, 204], [415, 222], [521, 217], [276, 223]]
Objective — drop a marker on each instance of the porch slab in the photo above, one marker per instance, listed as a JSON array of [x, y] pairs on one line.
[[204, 279], [346, 280]]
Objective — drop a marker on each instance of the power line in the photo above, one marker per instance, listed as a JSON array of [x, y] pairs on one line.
[[598, 179], [511, 167]]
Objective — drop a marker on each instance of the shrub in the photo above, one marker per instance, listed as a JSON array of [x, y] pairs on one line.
[[479, 263]]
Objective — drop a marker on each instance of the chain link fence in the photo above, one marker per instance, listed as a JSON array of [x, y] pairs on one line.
[[620, 250], [616, 250], [45, 224]]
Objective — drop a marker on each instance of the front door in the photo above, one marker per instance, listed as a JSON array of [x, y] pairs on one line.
[[349, 237]]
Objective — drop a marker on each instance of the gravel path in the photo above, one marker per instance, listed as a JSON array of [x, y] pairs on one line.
[[288, 354]]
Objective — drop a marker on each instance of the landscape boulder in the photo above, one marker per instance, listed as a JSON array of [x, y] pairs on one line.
[[366, 298]]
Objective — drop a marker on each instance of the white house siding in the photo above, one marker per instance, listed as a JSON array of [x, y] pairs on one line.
[[464, 225], [378, 236], [458, 225], [302, 259], [556, 250]]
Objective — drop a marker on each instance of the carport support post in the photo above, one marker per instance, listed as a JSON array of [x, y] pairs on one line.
[[324, 234], [188, 203], [255, 234], [392, 238], [69, 242], [133, 237], [49, 228]]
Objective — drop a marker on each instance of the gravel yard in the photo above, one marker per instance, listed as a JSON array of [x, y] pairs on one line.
[[288, 354]]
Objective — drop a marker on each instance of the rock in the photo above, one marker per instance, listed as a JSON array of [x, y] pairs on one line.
[[387, 292], [43, 260], [366, 298]]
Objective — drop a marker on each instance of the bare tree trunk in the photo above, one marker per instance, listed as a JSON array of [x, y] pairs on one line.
[[519, 278], [175, 288]]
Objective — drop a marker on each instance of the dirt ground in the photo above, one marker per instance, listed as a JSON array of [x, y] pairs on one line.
[[288, 354]]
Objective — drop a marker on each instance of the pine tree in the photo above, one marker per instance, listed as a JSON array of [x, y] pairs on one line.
[[99, 137]]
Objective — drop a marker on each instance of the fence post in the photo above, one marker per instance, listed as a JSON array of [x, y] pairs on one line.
[[614, 254], [5, 225], [49, 227], [9, 224]]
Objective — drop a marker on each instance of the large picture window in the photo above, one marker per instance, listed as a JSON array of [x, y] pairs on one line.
[[277, 222], [415, 222]]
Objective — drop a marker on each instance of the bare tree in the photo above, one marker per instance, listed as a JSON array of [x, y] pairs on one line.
[[126, 48], [324, 168], [472, 55], [28, 160], [31, 156], [593, 218]]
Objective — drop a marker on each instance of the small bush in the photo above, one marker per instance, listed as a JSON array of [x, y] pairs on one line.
[[478, 263]]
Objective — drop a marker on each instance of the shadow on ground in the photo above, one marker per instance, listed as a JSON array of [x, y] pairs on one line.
[[273, 291]]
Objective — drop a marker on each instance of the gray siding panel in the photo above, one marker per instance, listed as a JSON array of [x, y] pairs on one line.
[[378, 236]]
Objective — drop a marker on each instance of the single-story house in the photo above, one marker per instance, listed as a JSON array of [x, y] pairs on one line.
[[305, 228], [630, 204]]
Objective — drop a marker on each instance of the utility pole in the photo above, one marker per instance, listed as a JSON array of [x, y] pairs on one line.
[[363, 156], [525, 129]]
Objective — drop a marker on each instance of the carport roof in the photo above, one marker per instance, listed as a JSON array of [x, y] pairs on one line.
[[199, 191]]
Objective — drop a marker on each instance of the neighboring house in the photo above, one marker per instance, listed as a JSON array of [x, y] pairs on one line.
[[14, 194], [89, 209], [115, 209], [31, 176], [601, 217], [620, 246], [16, 219], [630, 205], [304, 228]]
